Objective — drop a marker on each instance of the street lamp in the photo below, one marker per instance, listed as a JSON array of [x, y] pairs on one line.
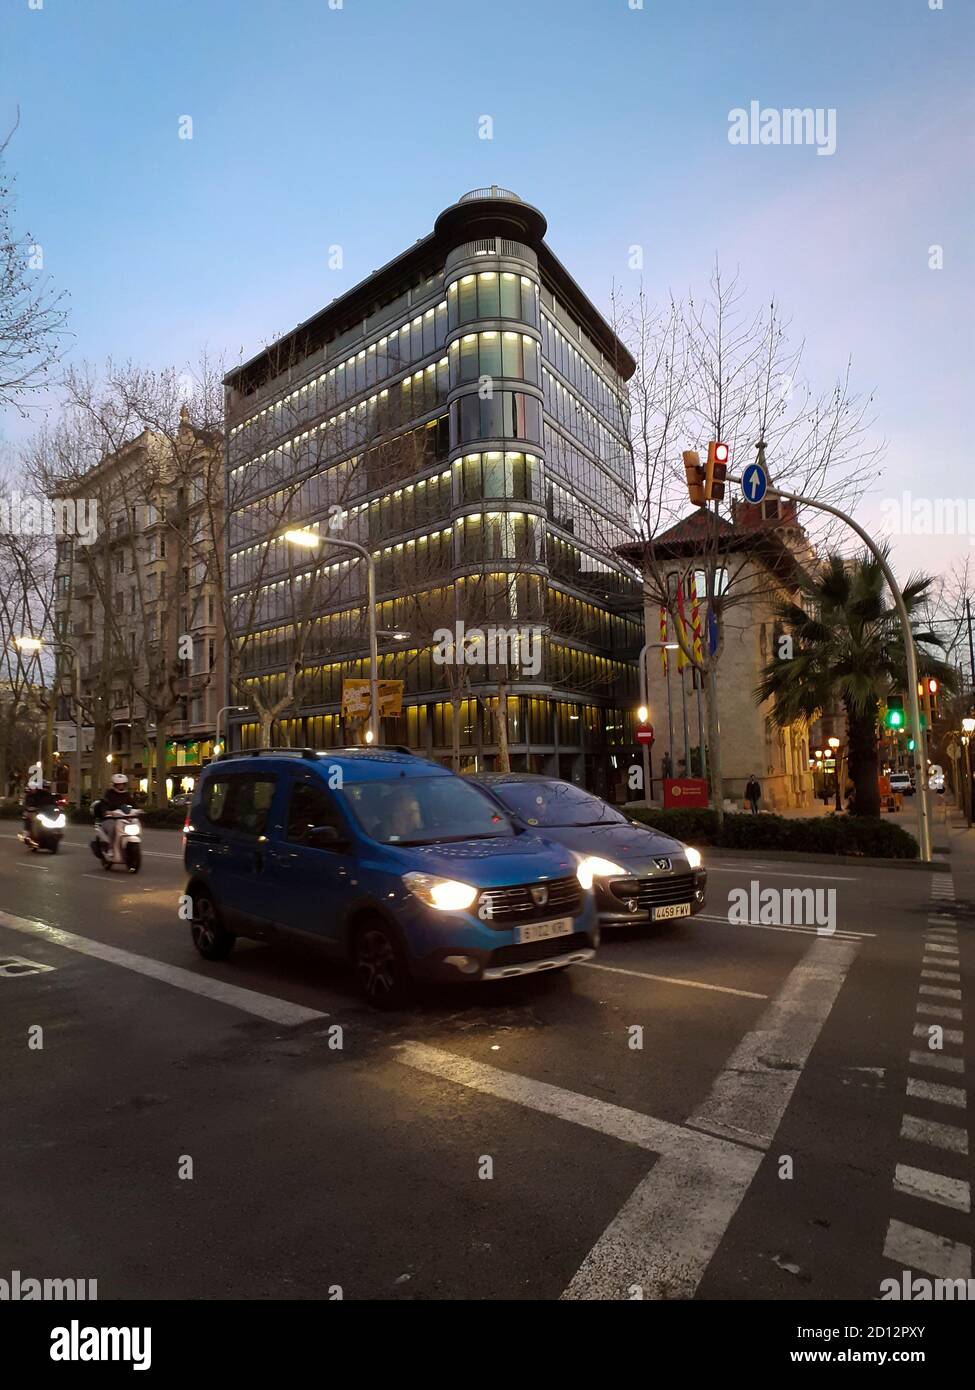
[[225, 709], [644, 712], [968, 728], [834, 744], [311, 540], [34, 646]]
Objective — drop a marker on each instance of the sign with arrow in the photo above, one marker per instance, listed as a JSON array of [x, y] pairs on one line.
[[754, 482]]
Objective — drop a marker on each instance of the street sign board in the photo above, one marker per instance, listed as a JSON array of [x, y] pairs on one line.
[[685, 791], [754, 482], [644, 734]]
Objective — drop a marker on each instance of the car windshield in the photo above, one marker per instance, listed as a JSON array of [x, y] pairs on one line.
[[555, 803], [425, 811]]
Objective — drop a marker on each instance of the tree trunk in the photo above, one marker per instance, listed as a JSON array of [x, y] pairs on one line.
[[266, 721], [504, 757], [455, 733], [159, 797], [714, 750], [863, 760]]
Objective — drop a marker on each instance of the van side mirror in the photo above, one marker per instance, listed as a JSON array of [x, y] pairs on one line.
[[324, 837]]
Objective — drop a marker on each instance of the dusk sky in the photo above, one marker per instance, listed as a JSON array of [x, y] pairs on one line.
[[315, 126]]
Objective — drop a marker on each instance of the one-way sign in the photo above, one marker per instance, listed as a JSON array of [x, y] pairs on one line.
[[754, 482]]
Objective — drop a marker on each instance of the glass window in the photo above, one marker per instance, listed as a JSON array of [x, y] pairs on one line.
[[494, 475], [468, 357], [488, 295], [513, 357], [490, 344], [468, 299], [216, 800], [452, 316], [425, 810], [311, 805], [530, 370], [510, 296], [243, 806]]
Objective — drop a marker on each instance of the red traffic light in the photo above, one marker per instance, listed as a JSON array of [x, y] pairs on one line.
[[715, 471], [721, 453], [933, 686]]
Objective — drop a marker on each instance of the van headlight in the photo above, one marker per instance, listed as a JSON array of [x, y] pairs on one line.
[[445, 894], [591, 866], [693, 856]]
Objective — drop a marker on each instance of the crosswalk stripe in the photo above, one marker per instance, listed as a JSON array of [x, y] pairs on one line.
[[940, 1136], [917, 1249], [933, 1090], [937, 1060], [935, 1187]]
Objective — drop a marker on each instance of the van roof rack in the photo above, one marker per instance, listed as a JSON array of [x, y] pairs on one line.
[[313, 754]]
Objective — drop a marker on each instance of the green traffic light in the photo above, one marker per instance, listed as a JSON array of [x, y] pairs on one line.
[[895, 718]]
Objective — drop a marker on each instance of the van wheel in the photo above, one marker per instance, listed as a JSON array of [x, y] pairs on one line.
[[210, 936], [381, 966]]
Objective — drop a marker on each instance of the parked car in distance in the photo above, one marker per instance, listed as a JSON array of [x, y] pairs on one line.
[[901, 782], [386, 859], [640, 874]]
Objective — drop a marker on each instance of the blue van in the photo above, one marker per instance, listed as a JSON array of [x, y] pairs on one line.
[[385, 858]]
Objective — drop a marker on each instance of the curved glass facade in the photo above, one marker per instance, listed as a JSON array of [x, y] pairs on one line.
[[494, 353], [502, 415], [492, 294]]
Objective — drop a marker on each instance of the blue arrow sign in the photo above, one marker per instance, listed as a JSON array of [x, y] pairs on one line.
[[754, 482]]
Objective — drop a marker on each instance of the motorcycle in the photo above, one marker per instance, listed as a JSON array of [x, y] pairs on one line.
[[44, 829], [121, 843]]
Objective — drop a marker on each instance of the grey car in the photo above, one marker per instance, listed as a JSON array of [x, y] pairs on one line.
[[648, 876]]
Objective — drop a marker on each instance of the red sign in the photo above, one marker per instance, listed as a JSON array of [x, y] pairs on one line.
[[685, 791], [644, 734]]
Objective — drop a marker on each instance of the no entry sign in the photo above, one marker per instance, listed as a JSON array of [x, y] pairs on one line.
[[644, 734]]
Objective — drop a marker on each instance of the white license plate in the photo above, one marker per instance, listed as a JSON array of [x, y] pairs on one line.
[[541, 931], [675, 910]]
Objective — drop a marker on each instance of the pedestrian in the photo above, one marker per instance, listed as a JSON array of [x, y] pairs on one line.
[[753, 793]]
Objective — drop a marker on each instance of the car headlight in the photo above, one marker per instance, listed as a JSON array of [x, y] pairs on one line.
[[693, 856], [131, 830], [591, 866], [52, 823], [445, 894]]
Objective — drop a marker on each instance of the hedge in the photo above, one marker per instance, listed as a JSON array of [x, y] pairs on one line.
[[856, 835]]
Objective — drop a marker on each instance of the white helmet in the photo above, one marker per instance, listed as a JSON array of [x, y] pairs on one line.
[[120, 781]]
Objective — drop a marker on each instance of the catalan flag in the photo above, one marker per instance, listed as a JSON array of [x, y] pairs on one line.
[[663, 638], [696, 621]]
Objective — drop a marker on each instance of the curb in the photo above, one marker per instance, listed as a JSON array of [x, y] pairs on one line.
[[808, 857]]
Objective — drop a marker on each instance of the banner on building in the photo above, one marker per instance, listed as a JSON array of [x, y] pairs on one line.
[[355, 698]]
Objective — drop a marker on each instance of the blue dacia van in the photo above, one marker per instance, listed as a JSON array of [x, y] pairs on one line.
[[388, 860]]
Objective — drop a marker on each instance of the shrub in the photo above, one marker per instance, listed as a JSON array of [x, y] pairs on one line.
[[855, 835]]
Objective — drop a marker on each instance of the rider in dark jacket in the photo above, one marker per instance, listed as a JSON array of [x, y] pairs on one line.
[[37, 799], [116, 796]]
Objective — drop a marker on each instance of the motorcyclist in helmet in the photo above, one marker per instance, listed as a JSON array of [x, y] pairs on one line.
[[36, 799], [116, 796]]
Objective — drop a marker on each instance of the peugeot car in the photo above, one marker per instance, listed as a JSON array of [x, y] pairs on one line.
[[640, 874]]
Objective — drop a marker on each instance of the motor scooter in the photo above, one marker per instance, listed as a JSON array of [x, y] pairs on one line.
[[118, 839], [43, 828]]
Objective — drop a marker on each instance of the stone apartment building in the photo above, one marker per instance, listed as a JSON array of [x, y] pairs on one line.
[[759, 547], [138, 615]]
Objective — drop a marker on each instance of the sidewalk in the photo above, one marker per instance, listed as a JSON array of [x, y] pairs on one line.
[[961, 849]]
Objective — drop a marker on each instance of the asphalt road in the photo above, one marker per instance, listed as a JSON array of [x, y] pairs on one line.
[[250, 1130]]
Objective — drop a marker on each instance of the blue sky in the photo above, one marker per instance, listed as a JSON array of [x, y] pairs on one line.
[[314, 126]]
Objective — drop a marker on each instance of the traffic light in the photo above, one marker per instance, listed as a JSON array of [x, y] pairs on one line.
[[695, 477], [716, 471], [911, 745], [894, 718], [932, 685]]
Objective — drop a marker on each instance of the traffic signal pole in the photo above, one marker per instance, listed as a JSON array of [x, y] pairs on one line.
[[920, 754]]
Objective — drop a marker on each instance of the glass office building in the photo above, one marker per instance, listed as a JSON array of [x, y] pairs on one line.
[[461, 414]]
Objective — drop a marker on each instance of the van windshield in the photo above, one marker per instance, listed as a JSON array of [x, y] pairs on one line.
[[425, 811]]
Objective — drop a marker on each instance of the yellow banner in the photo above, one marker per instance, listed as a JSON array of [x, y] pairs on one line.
[[355, 698]]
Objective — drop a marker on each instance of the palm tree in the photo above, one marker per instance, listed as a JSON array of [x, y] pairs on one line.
[[847, 645]]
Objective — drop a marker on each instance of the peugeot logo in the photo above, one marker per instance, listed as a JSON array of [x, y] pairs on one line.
[[540, 895], [662, 863]]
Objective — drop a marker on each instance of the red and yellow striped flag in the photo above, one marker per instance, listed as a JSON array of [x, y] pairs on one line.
[[698, 648], [682, 659], [663, 638]]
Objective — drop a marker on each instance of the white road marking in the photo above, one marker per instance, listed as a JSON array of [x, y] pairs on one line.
[[948, 1137], [672, 980], [935, 1187], [249, 1000], [941, 948], [665, 1235], [937, 1060], [938, 1011], [803, 931], [916, 1249], [949, 1035], [951, 975], [780, 873], [70, 844], [939, 991], [933, 1090]]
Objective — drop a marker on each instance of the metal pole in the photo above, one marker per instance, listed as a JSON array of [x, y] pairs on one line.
[[687, 736], [699, 681], [373, 648], [670, 724], [644, 695], [77, 729], [971, 645], [920, 742]]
